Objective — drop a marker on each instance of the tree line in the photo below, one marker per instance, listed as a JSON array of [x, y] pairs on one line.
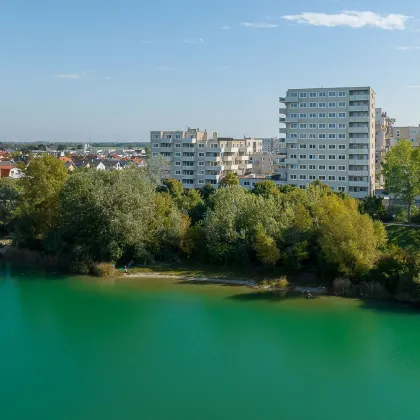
[[91, 217]]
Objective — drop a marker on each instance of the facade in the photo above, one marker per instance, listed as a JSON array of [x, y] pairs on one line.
[[197, 159], [5, 168], [383, 133], [408, 133], [330, 136], [266, 164], [270, 145]]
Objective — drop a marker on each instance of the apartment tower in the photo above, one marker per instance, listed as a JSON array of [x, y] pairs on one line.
[[330, 136]]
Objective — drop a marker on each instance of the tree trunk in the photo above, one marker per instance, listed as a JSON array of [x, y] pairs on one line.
[[409, 212]]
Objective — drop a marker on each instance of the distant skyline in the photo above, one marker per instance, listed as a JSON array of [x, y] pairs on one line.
[[94, 71]]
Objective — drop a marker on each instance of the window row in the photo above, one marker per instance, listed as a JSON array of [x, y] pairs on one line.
[[320, 146], [317, 157], [314, 136], [318, 105], [323, 94], [320, 177], [321, 115], [314, 126]]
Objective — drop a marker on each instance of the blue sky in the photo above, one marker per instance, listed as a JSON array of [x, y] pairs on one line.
[[114, 70]]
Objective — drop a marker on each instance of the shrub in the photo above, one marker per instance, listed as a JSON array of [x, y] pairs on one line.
[[105, 270], [280, 283], [372, 290], [342, 286]]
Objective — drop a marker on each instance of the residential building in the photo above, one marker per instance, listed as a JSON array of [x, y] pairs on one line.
[[266, 164], [270, 145], [383, 132], [411, 133], [330, 136], [5, 167], [196, 159]]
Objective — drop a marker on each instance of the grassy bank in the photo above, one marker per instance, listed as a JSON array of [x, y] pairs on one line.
[[404, 236]]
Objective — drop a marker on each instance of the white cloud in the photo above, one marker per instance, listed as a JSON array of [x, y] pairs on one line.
[[260, 25], [194, 41], [225, 28], [353, 19], [406, 48], [73, 76]]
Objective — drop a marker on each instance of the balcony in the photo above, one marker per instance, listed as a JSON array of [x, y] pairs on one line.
[[188, 176], [188, 158], [291, 141], [359, 183], [231, 167], [289, 99], [282, 120], [364, 119], [282, 99], [245, 149], [213, 177], [359, 108], [358, 173], [245, 166], [242, 158], [213, 159], [283, 130], [229, 159], [359, 130], [360, 141], [359, 97], [358, 151], [291, 161], [189, 141], [282, 110], [214, 149], [230, 149], [358, 162], [215, 168]]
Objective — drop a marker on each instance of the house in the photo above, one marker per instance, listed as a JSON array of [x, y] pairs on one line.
[[69, 166], [65, 159], [107, 165], [81, 164], [5, 167]]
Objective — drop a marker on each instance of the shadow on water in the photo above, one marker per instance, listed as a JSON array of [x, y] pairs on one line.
[[391, 307], [207, 283], [265, 296]]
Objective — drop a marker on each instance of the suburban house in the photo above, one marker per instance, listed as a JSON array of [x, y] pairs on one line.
[[16, 173], [5, 167], [107, 165], [81, 164], [69, 166]]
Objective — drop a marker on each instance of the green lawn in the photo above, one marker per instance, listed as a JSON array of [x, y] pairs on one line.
[[404, 236]]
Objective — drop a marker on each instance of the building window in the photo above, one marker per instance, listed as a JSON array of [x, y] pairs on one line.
[[312, 136], [312, 167], [177, 163], [302, 126], [341, 126], [322, 115], [303, 95], [331, 136], [332, 115], [293, 176], [342, 115], [293, 105], [398, 133], [321, 146], [302, 146], [331, 147], [302, 187], [322, 105], [303, 105], [177, 154], [342, 94], [201, 146], [332, 126], [303, 115], [302, 167], [342, 104], [177, 172], [322, 136], [302, 136], [293, 135], [312, 157], [312, 115], [321, 167], [341, 136], [155, 136], [302, 157], [331, 178], [321, 177], [178, 145], [302, 177], [293, 94], [321, 157], [342, 189], [332, 104], [312, 104], [294, 125], [341, 147], [331, 168], [312, 177], [332, 94], [201, 154], [312, 94], [200, 172], [313, 146], [155, 154], [341, 157], [331, 157], [293, 115], [322, 126], [200, 163], [168, 136]]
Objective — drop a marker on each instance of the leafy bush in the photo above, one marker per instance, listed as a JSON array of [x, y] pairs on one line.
[[105, 270], [342, 286]]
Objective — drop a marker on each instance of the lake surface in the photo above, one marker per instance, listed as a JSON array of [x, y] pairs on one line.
[[74, 348]]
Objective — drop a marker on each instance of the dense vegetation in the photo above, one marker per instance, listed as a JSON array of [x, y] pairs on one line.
[[92, 217]]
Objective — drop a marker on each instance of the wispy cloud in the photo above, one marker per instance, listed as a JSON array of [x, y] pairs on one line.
[[166, 68], [194, 41], [407, 48], [73, 76], [225, 28], [353, 19], [259, 25], [270, 17]]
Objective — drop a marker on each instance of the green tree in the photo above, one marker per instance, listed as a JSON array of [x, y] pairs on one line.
[[373, 206], [192, 204], [207, 191], [62, 147], [9, 199], [266, 249], [266, 189], [174, 187], [39, 201], [229, 180], [402, 173], [348, 239], [80, 147]]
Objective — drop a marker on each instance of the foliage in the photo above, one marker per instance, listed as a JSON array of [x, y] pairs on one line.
[[402, 172], [348, 239], [230, 179], [266, 249], [342, 286], [9, 199], [105, 269], [374, 207], [266, 189], [39, 201]]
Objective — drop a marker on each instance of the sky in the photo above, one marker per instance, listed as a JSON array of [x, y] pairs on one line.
[[102, 70]]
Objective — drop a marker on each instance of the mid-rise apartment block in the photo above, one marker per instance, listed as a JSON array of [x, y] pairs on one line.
[[410, 133], [383, 133], [270, 145], [196, 159], [330, 136]]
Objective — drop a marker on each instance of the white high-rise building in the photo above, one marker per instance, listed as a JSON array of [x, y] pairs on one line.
[[197, 159], [270, 145], [330, 136]]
